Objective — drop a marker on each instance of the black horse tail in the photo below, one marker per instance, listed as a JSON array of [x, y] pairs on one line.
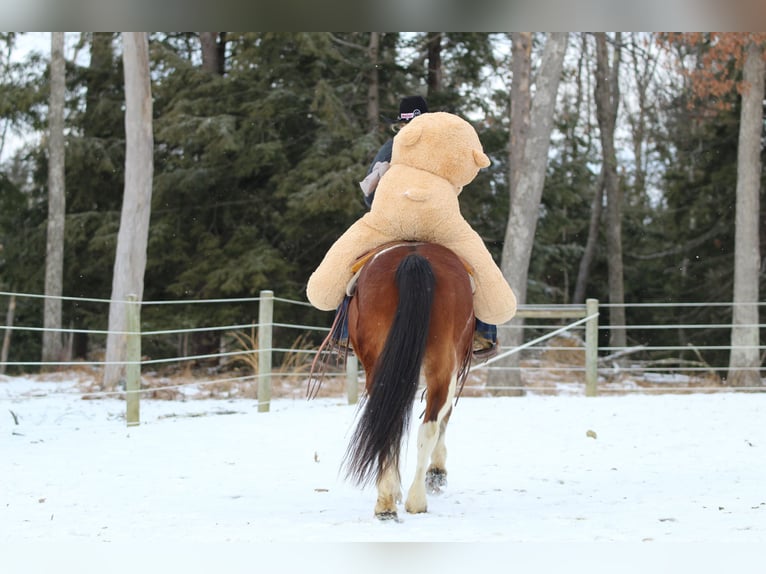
[[377, 438]]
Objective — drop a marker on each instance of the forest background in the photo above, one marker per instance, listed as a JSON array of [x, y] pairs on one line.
[[260, 140]]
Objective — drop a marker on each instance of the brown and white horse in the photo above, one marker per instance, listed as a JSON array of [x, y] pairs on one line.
[[412, 310]]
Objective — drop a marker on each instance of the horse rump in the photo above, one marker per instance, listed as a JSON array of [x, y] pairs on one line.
[[375, 443]]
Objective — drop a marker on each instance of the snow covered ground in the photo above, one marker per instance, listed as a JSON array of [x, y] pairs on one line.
[[636, 470]]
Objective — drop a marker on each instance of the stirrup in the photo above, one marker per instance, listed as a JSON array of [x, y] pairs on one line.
[[484, 354], [483, 348]]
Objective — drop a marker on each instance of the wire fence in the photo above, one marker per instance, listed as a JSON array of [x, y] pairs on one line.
[[670, 347], [671, 355]]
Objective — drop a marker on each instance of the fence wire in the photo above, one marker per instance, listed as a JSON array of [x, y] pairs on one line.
[[488, 368]]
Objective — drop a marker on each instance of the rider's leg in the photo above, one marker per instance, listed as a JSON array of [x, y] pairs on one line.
[[339, 336], [484, 340]]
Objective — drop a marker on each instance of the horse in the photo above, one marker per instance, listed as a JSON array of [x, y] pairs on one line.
[[411, 311]]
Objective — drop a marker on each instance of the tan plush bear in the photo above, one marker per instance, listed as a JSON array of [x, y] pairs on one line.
[[433, 157]]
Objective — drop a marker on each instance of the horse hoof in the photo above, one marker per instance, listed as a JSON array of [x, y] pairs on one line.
[[436, 479], [416, 509], [387, 515]]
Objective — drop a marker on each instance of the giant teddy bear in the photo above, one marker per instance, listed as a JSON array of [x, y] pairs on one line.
[[433, 157]]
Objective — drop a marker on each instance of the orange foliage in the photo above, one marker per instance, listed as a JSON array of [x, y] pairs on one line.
[[724, 53]]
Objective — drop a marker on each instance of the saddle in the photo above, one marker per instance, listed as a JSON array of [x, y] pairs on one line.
[[362, 260]]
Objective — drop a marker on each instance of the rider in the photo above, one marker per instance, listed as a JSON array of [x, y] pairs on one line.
[[410, 107]]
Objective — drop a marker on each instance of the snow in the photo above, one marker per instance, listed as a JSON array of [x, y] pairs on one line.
[[637, 470]]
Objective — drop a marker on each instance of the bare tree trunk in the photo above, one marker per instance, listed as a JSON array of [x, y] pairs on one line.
[[434, 77], [527, 183], [54, 256], [512, 333], [525, 201], [130, 259], [583, 272], [373, 85], [644, 66], [7, 336], [744, 360], [5, 62], [607, 102], [596, 207], [213, 52], [521, 103]]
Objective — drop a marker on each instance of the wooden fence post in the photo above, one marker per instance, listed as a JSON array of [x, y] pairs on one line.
[[7, 334], [133, 365], [265, 321], [352, 375], [591, 348]]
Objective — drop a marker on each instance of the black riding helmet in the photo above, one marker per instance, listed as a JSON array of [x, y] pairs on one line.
[[411, 107]]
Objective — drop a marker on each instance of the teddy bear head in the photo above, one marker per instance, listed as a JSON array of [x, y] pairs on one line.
[[443, 144]]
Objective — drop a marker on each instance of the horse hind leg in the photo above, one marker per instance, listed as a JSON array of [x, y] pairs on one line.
[[389, 493], [436, 476], [429, 436]]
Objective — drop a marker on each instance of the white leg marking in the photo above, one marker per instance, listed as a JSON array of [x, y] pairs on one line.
[[450, 397], [389, 493], [439, 456], [428, 438]]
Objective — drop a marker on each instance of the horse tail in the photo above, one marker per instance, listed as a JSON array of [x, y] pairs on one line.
[[377, 438]]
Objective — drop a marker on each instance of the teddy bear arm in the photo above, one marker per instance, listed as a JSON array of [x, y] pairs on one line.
[[327, 285], [493, 300]]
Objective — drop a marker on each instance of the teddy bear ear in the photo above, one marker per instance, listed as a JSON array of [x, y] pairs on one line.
[[411, 135], [480, 158]]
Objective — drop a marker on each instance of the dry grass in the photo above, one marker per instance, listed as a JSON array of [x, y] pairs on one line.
[[552, 370]]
